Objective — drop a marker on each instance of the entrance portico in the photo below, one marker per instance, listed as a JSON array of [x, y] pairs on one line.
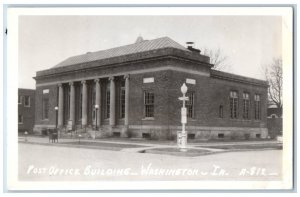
[[82, 96]]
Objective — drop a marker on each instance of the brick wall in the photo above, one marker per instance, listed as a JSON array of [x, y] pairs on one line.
[[210, 93], [40, 122], [28, 113]]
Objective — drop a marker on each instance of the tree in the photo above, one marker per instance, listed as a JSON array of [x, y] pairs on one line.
[[273, 73], [217, 59]]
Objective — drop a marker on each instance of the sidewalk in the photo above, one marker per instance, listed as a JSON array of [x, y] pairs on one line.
[[129, 145]]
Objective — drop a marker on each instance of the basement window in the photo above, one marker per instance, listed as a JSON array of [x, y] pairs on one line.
[[146, 135], [221, 135], [116, 134], [258, 135], [191, 136]]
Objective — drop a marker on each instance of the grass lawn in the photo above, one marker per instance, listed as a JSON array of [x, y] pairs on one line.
[[106, 146], [245, 146], [177, 152]]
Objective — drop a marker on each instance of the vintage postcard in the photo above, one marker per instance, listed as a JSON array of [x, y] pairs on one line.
[[149, 98]]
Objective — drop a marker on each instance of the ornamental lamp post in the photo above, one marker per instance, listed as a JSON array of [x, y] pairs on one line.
[[56, 111], [96, 108], [56, 119], [182, 137], [26, 133]]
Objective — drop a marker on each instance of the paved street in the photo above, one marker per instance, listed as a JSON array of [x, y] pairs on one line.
[[51, 163]]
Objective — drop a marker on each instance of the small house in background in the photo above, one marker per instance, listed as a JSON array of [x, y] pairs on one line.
[[26, 110], [274, 121]]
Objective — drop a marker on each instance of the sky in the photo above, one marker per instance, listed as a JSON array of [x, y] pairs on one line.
[[249, 42]]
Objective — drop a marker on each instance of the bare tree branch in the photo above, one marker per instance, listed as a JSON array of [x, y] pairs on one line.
[[217, 59], [273, 73]]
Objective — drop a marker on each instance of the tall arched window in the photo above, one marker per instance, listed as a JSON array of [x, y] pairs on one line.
[[257, 107], [221, 111], [246, 104], [107, 109], [233, 104]]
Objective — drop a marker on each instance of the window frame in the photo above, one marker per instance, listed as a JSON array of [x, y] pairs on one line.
[[221, 111], [94, 102], [20, 115], [26, 96], [43, 109], [246, 106], [107, 100], [80, 104], [20, 99], [190, 106], [122, 102], [149, 107], [257, 107], [234, 104]]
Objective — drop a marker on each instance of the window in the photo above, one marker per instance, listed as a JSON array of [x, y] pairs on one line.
[[191, 136], [220, 135], [149, 104], [80, 103], [257, 107], [107, 100], [27, 101], [258, 135], [66, 103], [146, 135], [20, 119], [190, 104], [221, 111], [45, 108], [20, 99], [233, 104], [94, 102], [122, 102], [246, 104]]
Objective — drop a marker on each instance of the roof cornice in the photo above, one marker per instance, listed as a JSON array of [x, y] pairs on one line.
[[132, 58]]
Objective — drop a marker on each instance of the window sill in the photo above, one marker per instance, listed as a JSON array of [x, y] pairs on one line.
[[26, 106], [20, 123], [247, 120], [148, 118], [257, 120]]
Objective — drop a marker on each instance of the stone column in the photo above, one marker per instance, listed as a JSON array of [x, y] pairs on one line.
[[98, 101], [84, 104], [126, 99], [112, 117], [72, 104], [60, 121]]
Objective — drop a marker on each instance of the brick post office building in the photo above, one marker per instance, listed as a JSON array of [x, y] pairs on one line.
[[136, 88]]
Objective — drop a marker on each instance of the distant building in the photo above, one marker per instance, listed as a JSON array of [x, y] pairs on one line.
[[136, 89], [26, 110], [274, 112], [274, 121]]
